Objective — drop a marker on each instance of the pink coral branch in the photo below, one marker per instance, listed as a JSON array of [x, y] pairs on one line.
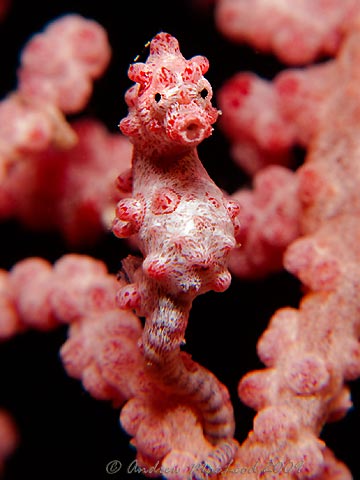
[[64, 177], [311, 352], [269, 222], [72, 191], [264, 119], [36, 295], [298, 33], [59, 65], [103, 352], [253, 122], [166, 427], [54, 79]]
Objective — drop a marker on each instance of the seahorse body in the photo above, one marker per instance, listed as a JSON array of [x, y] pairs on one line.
[[184, 223], [185, 226]]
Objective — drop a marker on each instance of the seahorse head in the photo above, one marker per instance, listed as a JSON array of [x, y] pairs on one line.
[[171, 100]]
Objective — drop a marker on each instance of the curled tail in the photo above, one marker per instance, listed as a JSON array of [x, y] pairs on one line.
[[163, 335]]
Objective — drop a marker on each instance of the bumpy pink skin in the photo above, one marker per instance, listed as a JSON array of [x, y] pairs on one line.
[[298, 32], [55, 78], [71, 191], [269, 222], [185, 226]]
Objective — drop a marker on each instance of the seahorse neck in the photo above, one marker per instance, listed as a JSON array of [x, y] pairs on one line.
[[182, 164]]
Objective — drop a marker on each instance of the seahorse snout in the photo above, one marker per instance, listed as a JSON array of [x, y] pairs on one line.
[[188, 124], [194, 129]]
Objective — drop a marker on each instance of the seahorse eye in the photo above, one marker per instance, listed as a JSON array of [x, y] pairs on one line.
[[157, 97], [204, 93]]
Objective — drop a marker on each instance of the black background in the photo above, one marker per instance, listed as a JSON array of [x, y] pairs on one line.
[[65, 434]]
